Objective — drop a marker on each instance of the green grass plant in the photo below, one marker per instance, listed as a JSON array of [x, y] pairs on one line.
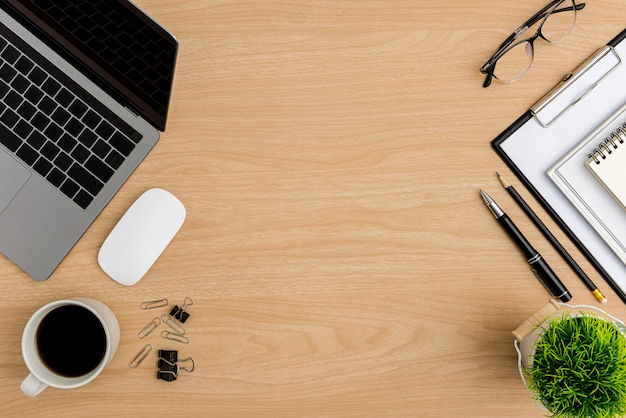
[[578, 368]]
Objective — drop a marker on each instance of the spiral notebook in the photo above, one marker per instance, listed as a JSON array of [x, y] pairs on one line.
[[603, 152], [608, 163]]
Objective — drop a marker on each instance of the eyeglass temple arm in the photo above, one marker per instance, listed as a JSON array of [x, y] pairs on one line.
[[543, 12]]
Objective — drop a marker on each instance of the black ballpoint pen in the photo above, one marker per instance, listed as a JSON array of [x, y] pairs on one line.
[[552, 239], [538, 265]]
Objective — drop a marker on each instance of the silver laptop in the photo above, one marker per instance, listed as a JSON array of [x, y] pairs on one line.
[[84, 91]]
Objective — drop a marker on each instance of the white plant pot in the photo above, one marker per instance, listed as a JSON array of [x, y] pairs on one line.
[[528, 333]]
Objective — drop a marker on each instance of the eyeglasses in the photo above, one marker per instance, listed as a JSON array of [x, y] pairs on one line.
[[515, 57]]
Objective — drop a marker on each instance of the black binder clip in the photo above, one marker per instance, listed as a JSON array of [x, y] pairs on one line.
[[180, 313], [169, 366]]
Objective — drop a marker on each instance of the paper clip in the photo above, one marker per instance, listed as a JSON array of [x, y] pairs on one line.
[[169, 366], [173, 324], [169, 335], [154, 304], [141, 356], [147, 330], [181, 313]]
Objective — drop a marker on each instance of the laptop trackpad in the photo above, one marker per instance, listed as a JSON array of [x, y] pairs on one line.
[[12, 177]]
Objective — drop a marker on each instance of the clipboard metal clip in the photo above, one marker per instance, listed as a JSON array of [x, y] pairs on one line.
[[576, 85]]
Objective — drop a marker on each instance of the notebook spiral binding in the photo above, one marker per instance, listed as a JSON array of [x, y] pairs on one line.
[[604, 148]]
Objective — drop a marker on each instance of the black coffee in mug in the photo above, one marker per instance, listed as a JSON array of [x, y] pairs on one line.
[[71, 341]]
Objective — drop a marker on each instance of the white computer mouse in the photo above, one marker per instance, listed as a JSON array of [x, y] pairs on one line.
[[141, 235]]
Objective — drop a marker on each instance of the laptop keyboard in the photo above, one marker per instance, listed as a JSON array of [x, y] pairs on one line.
[[74, 145]]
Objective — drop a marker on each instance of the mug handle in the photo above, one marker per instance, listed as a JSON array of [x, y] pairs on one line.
[[32, 386]]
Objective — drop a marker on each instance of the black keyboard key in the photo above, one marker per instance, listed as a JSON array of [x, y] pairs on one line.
[[37, 76], [50, 150], [7, 73], [64, 97], [99, 169], [10, 54], [13, 100], [122, 144], [78, 108], [67, 143], [9, 139], [47, 106], [80, 153], [63, 161], [60, 116], [53, 132], [56, 177], [74, 127], [20, 83], [105, 130], [23, 129], [83, 199], [70, 188], [27, 154], [26, 110], [33, 94], [24, 65], [42, 166], [40, 121], [9, 118], [101, 149], [51, 86], [130, 132], [91, 119], [87, 180], [115, 159], [87, 138], [36, 140]]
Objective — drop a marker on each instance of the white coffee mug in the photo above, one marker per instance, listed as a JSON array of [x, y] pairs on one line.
[[43, 363]]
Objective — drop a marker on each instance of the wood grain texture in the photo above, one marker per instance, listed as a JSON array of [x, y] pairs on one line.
[[329, 154]]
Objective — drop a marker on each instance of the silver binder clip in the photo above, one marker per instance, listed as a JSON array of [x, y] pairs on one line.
[[151, 326], [154, 304]]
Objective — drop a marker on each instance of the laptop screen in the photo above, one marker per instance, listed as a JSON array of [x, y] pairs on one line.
[[115, 42]]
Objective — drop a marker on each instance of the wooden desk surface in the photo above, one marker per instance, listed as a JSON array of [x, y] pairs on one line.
[[329, 154]]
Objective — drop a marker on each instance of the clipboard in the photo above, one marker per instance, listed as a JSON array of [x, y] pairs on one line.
[[557, 123]]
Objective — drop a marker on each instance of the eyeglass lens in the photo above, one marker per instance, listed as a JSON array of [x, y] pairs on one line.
[[554, 27]]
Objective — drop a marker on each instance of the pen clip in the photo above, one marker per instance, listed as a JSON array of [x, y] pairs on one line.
[[536, 273], [545, 285], [542, 281]]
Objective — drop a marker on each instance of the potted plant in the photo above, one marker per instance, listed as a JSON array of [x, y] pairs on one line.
[[573, 361]]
